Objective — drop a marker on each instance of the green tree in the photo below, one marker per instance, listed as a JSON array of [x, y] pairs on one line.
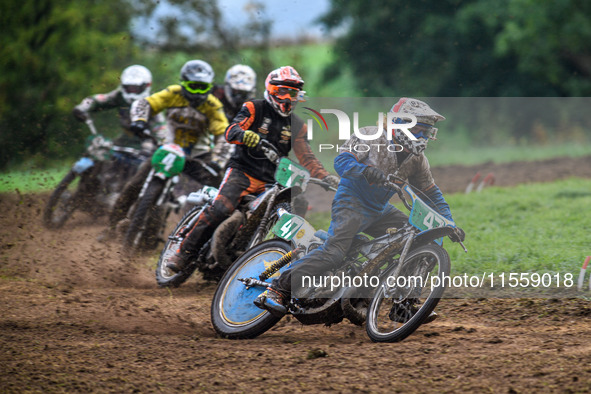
[[464, 48], [53, 54]]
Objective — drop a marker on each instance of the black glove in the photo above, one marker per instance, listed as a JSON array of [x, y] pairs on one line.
[[374, 175], [79, 114], [137, 127], [458, 235]]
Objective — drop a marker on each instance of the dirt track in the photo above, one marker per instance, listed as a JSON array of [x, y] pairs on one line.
[[77, 316]]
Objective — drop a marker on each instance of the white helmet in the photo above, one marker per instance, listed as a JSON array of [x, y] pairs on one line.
[[239, 84], [424, 130], [136, 81]]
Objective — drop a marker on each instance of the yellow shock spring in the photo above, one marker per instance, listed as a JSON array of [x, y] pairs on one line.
[[277, 265]]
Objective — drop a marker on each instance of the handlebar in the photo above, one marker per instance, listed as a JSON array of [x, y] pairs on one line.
[[269, 150], [322, 184], [91, 126], [393, 182]]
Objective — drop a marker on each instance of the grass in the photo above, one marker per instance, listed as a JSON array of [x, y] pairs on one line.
[[445, 152], [32, 181], [534, 228]]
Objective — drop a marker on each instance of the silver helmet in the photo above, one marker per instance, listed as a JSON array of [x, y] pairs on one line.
[[240, 84], [423, 131], [136, 81]]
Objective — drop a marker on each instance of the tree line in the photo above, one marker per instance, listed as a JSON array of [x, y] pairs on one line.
[[54, 53]]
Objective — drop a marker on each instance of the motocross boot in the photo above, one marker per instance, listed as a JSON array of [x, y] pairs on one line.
[[177, 262], [273, 301]]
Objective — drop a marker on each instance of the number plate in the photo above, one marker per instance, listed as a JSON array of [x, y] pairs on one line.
[[423, 216], [169, 159], [287, 226], [290, 174]]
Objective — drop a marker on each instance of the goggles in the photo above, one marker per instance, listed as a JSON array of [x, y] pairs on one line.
[[283, 92], [135, 88], [241, 95], [196, 87], [423, 130]]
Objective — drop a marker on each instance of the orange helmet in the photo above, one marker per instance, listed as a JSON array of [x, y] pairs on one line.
[[282, 89]]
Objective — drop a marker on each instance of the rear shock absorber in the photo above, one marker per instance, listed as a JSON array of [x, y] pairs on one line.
[[277, 265]]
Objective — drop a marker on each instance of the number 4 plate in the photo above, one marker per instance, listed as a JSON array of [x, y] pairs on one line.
[[288, 226]]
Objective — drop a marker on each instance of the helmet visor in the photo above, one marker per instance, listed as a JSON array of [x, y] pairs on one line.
[[423, 130], [284, 92], [135, 89], [241, 95], [196, 87]]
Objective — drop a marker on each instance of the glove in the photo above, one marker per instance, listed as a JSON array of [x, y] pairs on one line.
[[79, 114], [374, 175], [250, 138], [458, 235], [137, 127], [332, 180]]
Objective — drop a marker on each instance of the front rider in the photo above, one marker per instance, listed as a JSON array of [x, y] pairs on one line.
[[249, 169], [361, 203], [193, 114]]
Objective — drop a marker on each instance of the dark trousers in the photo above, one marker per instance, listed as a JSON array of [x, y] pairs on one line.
[[235, 185], [347, 220]]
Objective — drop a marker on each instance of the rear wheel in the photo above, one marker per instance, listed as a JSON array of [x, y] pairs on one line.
[[62, 202], [145, 212], [233, 314], [403, 302]]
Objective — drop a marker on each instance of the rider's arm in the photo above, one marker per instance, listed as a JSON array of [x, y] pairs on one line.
[[422, 179], [140, 110], [214, 110], [97, 102], [305, 156], [349, 162], [347, 166], [144, 108], [242, 122], [436, 200]]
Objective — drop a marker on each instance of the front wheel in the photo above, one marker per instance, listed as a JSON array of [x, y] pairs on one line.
[[164, 276], [403, 302], [233, 314], [62, 202], [145, 212]]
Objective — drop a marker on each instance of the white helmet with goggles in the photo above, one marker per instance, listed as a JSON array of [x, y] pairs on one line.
[[136, 81], [239, 84], [423, 131]]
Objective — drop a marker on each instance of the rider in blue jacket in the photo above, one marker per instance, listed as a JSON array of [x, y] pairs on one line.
[[361, 203]]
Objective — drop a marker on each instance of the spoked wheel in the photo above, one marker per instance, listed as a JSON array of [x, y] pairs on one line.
[[401, 304], [62, 202], [145, 211], [233, 314], [164, 276]]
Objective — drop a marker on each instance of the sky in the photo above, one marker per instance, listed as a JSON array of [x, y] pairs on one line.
[[291, 19]]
